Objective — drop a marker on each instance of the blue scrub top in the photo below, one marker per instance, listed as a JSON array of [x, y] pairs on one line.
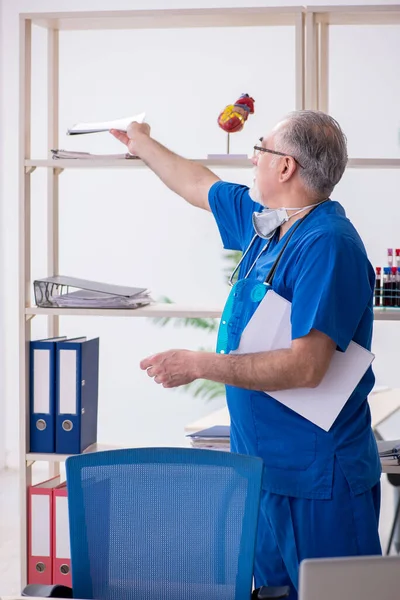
[[326, 275]]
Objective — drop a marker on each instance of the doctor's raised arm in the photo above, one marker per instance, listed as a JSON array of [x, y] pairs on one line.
[[186, 178]]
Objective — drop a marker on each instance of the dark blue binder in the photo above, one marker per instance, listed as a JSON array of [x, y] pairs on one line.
[[77, 394], [42, 394]]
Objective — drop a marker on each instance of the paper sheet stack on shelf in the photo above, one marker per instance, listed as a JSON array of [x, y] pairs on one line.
[[389, 452], [52, 292], [101, 126], [98, 127], [58, 154], [212, 438]]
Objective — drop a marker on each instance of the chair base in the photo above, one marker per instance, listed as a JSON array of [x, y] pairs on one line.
[[62, 591], [270, 593], [47, 591]]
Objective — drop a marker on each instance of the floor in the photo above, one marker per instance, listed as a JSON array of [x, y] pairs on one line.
[[9, 528]]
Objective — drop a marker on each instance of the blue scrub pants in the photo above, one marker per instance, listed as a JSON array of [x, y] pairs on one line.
[[292, 529]]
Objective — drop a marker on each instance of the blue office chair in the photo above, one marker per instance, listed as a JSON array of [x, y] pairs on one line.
[[164, 524]]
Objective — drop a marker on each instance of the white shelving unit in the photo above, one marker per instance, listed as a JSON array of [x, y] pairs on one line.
[[234, 163], [311, 54], [169, 310], [153, 310], [55, 23], [318, 21], [123, 163]]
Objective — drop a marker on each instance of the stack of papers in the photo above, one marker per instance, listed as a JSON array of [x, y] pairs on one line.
[[55, 292], [120, 124], [58, 154], [389, 452], [92, 299], [212, 438]]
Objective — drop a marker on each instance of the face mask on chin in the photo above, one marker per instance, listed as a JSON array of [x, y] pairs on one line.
[[267, 221]]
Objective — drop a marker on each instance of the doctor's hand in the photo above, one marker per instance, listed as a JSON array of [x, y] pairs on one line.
[[172, 368], [135, 133]]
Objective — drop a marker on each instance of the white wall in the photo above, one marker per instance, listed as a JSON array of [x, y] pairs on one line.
[[2, 386], [125, 227]]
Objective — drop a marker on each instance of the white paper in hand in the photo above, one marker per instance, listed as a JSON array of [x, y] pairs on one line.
[[121, 124], [270, 329]]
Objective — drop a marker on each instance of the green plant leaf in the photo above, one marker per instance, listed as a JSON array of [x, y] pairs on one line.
[[210, 325], [203, 388], [232, 257]]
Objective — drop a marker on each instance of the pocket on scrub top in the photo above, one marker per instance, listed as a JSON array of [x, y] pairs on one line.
[[284, 440]]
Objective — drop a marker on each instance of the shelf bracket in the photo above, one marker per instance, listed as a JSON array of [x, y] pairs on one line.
[[29, 317], [29, 170], [58, 170], [29, 463]]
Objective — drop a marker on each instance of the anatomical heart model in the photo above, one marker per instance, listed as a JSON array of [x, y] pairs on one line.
[[234, 116]]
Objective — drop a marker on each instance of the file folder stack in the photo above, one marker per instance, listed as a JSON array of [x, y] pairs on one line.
[[64, 376], [213, 438], [49, 555], [53, 292]]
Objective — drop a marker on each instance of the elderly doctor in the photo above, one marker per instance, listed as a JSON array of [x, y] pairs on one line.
[[321, 490]]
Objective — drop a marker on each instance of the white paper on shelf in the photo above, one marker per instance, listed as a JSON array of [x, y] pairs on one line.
[[96, 127]]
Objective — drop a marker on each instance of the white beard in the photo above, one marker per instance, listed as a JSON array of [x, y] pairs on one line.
[[254, 192]]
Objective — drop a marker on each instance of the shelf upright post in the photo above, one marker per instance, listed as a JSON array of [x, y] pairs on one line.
[[299, 57], [323, 66], [311, 66], [52, 181], [317, 62], [53, 173], [25, 40]]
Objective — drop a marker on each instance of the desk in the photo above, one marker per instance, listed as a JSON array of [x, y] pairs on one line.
[[392, 469], [382, 403]]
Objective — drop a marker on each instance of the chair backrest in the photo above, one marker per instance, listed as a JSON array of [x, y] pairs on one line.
[[163, 524], [351, 578]]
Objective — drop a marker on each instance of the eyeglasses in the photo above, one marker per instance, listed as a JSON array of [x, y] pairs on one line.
[[258, 149]]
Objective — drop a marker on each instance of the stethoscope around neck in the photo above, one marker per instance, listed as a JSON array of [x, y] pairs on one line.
[[246, 295], [271, 273], [245, 253]]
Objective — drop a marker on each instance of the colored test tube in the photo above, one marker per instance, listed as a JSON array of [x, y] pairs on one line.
[[390, 257], [397, 250], [398, 286], [378, 286], [386, 287], [393, 287]]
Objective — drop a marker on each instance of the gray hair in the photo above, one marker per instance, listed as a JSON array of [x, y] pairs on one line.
[[318, 143]]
